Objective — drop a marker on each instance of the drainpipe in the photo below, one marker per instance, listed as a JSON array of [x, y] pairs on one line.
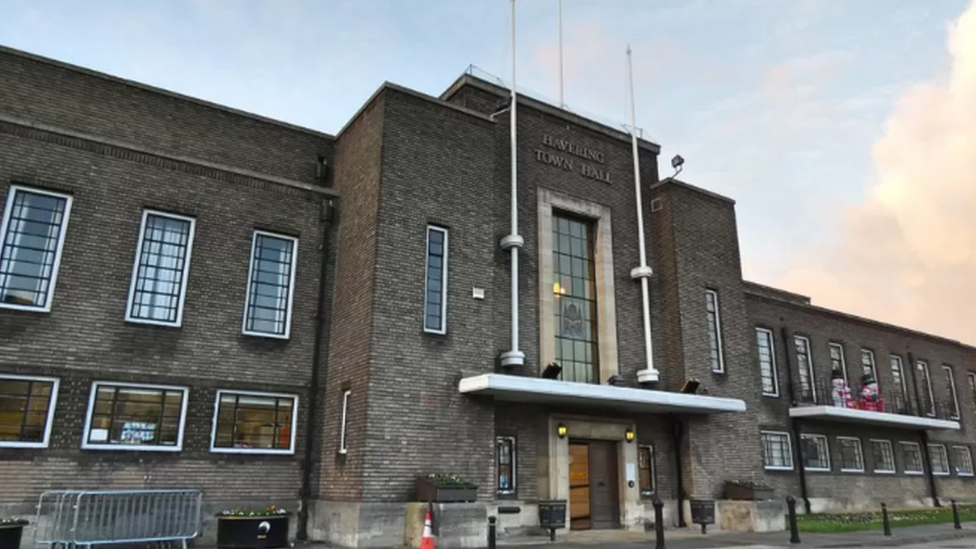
[[926, 460], [677, 432], [643, 272], [794, 423], [513, 241], [318, 373]]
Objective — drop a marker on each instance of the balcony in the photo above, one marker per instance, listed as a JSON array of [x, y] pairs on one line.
[[608, 397], [820, 402]]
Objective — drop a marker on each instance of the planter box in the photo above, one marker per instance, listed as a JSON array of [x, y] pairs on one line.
[[736, 491], [11, 533], [268, 532], [428, 491]]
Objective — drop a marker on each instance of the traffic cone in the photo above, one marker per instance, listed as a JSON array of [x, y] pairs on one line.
[[428, 539]]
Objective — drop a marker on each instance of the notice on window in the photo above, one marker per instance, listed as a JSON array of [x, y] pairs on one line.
[[99, 435], [631, 472]]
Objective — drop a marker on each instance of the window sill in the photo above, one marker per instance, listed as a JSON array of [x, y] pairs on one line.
[[263, 335], [940, 474], [884, 472], [130, 448], [25, 308], [817, 470], [770, 395], [160, 323], [253, 451], [965, 475], [852, 471], [772, 468], [915, 473], [24, 445]]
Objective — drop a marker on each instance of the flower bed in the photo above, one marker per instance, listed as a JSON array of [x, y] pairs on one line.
[[441, 488], [871, 520]]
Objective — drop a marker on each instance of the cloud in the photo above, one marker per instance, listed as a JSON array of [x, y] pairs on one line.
[[906, 253]]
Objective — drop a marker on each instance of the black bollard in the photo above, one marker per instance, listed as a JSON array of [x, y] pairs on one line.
[[794, 529], [659, 523], [491, 532], [884, 519], [955, 516]]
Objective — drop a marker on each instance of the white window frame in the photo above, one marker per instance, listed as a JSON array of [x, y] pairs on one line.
[[826, 442], [343, 448], [921, 459], [874, 364], [945, 451], [514, 458], [903, 386], [891, 449], [5, 225], [49, 418], [811, 368], [186, 269], [718, 329], [292, 428], [291, 285], [772, 362], [860, 451], [969, 452], [789, 450], [924, 367], [444, 231], [843, 357], [952, 385], [972, 387], [85, 445], [651, 471]]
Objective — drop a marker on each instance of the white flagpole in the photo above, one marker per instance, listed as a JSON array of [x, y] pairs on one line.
[[643, 272], [562, 104], [513, 357]]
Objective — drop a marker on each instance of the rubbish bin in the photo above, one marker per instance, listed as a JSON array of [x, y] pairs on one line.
[[703, 512], [552, 515]]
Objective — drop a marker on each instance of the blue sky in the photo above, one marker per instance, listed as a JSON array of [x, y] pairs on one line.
[[778, 104]]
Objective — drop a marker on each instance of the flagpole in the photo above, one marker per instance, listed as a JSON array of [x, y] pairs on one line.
[[643, 272], [560, 17], [513, 241]]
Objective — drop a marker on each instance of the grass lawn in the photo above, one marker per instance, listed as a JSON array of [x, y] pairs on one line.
[[850, 522]]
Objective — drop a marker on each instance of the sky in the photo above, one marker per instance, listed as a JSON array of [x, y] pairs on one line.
[[845, 130]]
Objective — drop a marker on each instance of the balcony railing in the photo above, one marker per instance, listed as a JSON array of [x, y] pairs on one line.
[[822, 393]]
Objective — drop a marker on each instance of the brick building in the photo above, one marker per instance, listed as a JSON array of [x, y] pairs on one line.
[[278, 315]]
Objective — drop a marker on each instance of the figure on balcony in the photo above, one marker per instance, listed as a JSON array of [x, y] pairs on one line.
[[870, 396], [840, 393]]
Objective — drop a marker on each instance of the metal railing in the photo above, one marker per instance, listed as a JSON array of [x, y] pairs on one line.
[[72, 517], [821, 393]]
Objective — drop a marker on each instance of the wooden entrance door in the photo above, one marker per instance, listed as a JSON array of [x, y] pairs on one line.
[[593, 499]]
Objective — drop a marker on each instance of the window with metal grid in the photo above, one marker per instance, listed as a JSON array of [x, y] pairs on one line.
[[255, 422], [851, 456], [939, 458], [776, 450], [912, 457], [816, 452], [574, 290], [26, 405], [136, 416], [505, 466], [270, 288], [884, 457], [767, 362], [435, 299], [162, 263], [714, 319]]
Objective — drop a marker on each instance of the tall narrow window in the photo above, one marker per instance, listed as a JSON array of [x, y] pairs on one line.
[[837, 359], [867, 364], [851, 456], [816, 452], [928, 398], [574, 292], [963, 457], [776, 451], [271, 281], [901, 389], [951, 394], [343, 448], [912, 456], [940, 459], [162, 262], [135, 417], [645, 465], [31, 242], [716, 358], [804, 364], [505, 465], [884, 457], [26, 410], [435, 300], [767, 361], [972, 388], [254, 423]]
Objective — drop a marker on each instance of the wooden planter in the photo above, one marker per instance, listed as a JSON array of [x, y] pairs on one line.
[[428, 491], [268, 532], [10, 534], [737, 491]]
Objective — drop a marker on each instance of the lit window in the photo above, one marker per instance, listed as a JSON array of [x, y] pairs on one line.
[[135, 417], [804, 364], [505, 456], [31, 241], [343, 432], [928, 398], [851, 457], [912, 456], [162, 262], [964, 461], [271, 280], [435, 300], [940, 459], [254, 423], [645, 464], [816, 452], [26, 410], [767, 362], [713, 315], [574, 295], [950, 380], [837, 359], [776, 451], [884, 457]]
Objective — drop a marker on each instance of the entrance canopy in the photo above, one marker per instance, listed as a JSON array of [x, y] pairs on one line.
[[851, 415], [551, 391]]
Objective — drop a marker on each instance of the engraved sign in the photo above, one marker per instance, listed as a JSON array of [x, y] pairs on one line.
[[573, 157]]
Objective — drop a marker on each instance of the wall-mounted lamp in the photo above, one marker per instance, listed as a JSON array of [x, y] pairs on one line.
[[561, 430], [629, 435]]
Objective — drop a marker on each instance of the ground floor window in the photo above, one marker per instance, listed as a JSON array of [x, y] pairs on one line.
[[912, 456], [964, 461], [851, 457], [254, 423], [940, 459], [884, 457], [26, 407], [645, 464], [141, 417], [816, 452], [776, 450], [505, 465]]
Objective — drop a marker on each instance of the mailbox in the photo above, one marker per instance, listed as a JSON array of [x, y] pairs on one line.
[[552, 514], [703, 512]]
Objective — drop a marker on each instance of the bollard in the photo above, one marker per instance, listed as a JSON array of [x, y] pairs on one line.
[[659, 523], [955, 516], [794, 529], [884, 519], [491, 532]]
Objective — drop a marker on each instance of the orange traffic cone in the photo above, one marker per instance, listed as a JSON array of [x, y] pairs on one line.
[[428, 539]]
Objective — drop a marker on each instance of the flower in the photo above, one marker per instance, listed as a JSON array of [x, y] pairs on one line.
[[448, 480], [12, 521], [268, 511]]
